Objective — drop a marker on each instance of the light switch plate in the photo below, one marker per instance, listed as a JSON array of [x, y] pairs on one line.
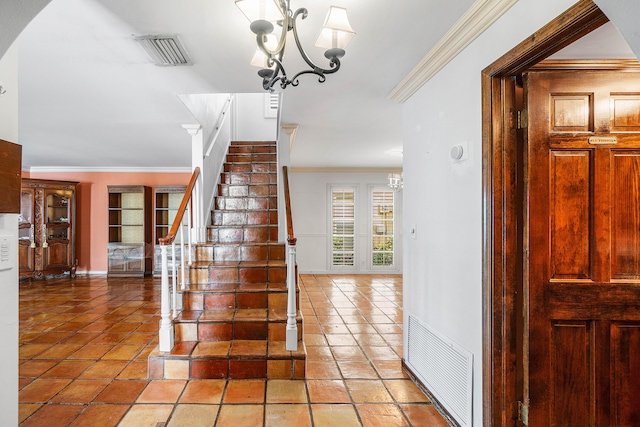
[[8, 249]]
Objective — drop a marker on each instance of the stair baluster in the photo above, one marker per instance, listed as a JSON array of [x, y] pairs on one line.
[[167, 334], [292, 326]]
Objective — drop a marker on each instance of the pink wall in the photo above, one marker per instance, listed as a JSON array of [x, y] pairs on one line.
[[91, 207]]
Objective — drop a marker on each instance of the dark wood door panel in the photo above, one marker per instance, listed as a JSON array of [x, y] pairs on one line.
[[625, 221], [57, 255], [583, 265], [26, 257], [625, 112], [570, 214], [572, 361], [625, 374], [590, 300]]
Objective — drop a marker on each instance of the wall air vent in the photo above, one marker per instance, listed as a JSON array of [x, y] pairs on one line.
[[165, 50], [445, 368], [271, 104]]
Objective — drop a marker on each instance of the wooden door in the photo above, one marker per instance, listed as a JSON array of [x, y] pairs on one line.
[[583, 239]]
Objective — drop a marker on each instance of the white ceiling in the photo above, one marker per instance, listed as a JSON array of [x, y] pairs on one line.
[[89, 96]]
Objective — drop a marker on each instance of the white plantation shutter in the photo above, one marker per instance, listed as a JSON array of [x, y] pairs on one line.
[[382, 221], [342, 227]]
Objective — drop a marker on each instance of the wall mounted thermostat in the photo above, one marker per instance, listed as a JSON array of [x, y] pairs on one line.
[[457, 152], [8, 249]]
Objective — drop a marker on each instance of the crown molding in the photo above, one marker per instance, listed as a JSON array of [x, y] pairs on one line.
[[475, 20], [115, 169]]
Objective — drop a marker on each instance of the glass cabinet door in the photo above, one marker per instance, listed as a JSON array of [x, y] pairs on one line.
[[25, 219], [58, 214]]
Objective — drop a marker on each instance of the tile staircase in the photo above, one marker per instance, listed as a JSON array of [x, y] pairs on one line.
[[233, 323]]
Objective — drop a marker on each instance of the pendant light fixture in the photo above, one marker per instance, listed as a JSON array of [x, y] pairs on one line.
[[271, 20], [395, 181]]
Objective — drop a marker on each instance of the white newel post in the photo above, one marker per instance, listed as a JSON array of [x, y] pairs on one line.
[[166, 325], [197, 160], [292, 326]]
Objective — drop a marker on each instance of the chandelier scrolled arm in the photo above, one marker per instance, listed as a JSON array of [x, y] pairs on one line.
[[335, 35], [334, 63]]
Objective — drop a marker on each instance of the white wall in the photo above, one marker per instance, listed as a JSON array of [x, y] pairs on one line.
[[442, 267], [9, 227], [310, 204], [250, 123]]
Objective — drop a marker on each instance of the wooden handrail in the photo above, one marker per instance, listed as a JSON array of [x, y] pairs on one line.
[[287, 201], [169, 238]]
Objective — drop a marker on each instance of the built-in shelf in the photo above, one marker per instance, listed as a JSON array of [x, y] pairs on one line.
[[166, 203], [129, 231]]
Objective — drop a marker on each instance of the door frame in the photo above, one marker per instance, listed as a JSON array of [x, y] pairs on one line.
[[500, 281]]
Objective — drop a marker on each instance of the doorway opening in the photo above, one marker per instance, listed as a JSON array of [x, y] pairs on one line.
[[503, 283]]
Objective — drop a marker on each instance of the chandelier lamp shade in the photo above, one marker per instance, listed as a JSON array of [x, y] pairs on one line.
[[271, 21]]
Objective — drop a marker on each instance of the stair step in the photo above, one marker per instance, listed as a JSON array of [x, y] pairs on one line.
[[243, 233], [239, 359], [244, 149], [240, 251], [216, 325], [247, 190], [246, 203], [267, 167], [237, 287], [235, 348], [239, 218], [252, 158], [224, 272], [240, 178], [226, 315], [272, 296]]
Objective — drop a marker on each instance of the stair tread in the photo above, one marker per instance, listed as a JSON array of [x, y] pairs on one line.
[[236, 349], [236, 226], [237, 287], [213, 244], [223, 264], [234, 315]]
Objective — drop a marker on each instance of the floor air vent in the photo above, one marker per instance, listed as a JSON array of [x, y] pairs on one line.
[[445, 368]]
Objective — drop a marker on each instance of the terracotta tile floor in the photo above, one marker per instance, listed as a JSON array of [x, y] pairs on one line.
[[84, 345]]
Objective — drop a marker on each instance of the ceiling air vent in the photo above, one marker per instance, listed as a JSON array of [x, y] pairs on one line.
[[165, 50]]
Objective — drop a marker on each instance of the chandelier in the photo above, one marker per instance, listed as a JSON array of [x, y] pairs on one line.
[[271, 20], [395, 181]]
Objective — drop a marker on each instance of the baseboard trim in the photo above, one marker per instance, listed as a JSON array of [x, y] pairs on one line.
[[91, 273], [445, 414]]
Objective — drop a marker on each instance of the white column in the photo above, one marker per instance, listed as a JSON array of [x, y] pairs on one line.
[[292, 326], [197, 160], [166, 325]]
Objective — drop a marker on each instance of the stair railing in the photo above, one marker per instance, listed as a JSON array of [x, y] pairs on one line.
[[292, 326], [168, 302], [221, 118]]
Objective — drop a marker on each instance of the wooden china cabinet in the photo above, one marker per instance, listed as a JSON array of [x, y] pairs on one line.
[[46, 228]]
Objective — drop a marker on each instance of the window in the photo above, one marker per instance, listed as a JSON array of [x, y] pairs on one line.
[[342, 227], [382, 214]]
